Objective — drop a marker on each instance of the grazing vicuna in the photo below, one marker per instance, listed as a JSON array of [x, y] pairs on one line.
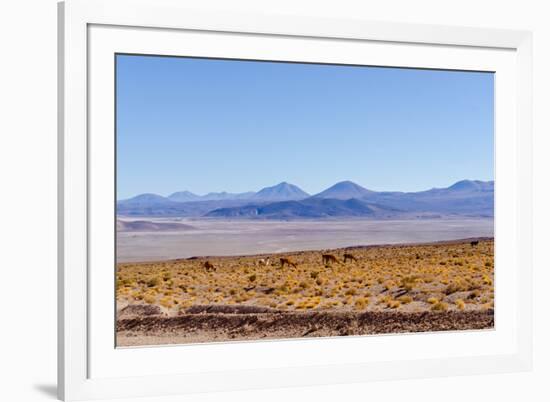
[[350, 257], [288, 262], [329, 258], [265, 262], [474, 243], [209, 266]]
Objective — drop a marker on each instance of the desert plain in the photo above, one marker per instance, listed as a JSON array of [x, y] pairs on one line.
[[388, 288], [167, 238]]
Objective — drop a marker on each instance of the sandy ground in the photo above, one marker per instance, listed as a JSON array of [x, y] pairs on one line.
[[201, 328], [216, 237], [386, 289]]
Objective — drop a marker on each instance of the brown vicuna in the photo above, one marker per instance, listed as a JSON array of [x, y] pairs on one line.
[[209, 266], [348, 256], [288, 261], [329, 259]]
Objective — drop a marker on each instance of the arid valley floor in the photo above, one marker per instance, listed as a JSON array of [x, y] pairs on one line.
[[223, 237], [388, 289]]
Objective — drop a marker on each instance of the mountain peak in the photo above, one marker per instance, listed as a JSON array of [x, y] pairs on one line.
[[147, 198], [344, 190], [183, 196], [281, 191], [469, 185]]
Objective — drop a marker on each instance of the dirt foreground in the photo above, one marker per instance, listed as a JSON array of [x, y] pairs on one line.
[[214, 327]]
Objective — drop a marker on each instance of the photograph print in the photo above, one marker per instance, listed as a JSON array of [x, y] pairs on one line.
[[274, 200]]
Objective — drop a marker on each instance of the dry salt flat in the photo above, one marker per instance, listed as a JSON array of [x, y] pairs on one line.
[[214, 237]]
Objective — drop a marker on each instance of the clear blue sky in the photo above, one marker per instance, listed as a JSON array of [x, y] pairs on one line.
[[223, 125]]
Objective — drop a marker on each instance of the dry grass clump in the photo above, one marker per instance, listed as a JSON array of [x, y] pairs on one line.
[[405, 299], [393, 304], [361, 303], [149, 298], [453, 288], [440, 306], [153, 282]]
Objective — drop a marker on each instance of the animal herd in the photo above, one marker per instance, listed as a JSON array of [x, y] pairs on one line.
[[326, 259]]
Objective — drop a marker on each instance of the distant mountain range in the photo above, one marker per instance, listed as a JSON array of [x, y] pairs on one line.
[[280, 192], [187, 196], [343, 199]]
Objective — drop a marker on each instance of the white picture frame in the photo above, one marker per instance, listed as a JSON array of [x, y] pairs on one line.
[[90, 32]]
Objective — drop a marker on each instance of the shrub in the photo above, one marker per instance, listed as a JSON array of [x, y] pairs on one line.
[[152, 282], [405, 299], [394, 304], [452, 288], [361, 303], [460, 304], [433, 300], [440, 306], [150, 299], [252, 278], [473, 286], [166, 302], [408, 282]]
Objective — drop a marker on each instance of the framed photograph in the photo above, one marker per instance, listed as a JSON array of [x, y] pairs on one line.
[[252, 201]]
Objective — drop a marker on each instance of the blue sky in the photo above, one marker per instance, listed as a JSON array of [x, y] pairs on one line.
[[223, 125]]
